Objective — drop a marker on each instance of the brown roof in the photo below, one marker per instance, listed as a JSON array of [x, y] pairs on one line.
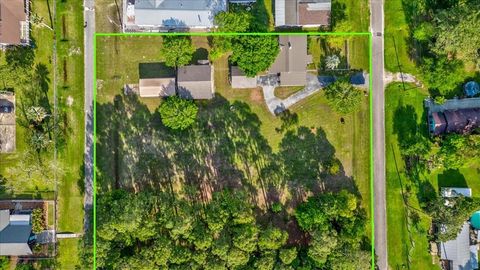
[[291, 61], [195, 82], [308, 15], [195, 73], [12, 14]]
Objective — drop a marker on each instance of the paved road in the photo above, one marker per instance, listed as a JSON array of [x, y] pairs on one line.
[[89, 30], [377, 27]]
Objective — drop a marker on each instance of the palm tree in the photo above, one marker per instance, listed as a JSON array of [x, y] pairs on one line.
[[332, 61], [36, 114]]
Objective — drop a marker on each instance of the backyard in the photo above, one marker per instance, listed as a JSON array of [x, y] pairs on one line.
[[404, 112], [238, 143]]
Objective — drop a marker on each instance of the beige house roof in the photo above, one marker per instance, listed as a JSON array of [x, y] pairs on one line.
[[291, 62], [158, 87], [13, 19]]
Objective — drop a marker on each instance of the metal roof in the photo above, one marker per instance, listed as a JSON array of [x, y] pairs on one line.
[[175, 13], [459, 252]]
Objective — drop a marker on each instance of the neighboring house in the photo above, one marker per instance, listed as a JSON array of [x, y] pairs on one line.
[[302, 13], [164, 15], [15, 234], [14, 24], [461, 253], [238, 79], [291, 62], [195, 82], [453, 116]]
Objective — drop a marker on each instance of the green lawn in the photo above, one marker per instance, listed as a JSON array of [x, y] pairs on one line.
[[70, 90], [107, 16], [398, 236], [397, 35], [118, 63], [67, 257], [356, 11], [286, 91]]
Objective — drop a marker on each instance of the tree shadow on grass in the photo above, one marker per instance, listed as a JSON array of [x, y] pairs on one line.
[[452, 178], [224, 149]]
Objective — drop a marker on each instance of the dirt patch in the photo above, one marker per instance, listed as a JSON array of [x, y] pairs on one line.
[[256, 95]]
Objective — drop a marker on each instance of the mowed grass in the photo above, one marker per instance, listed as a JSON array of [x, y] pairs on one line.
[[67, 257], [118, 62], [38, 186], [397, 35], [357, 12], [108, 16], [399, 239], [286, 91], [70, 70]]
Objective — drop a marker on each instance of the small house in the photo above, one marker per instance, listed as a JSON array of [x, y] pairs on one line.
[[14, 24], [291, 62], [16, 235], [157, 87], [195, 82], [302, 13]]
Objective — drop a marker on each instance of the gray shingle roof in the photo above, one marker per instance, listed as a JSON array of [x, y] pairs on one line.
[[13, 237]]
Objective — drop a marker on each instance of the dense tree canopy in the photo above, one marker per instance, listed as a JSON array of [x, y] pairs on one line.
[[178, 113], [336, 222], [156, 231], [177, 51], [343, 97], [233, 22], [455, 150], [254, 54], [457, 31], [451, 216]]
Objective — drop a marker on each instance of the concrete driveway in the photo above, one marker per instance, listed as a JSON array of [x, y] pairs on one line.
[[276, 105]]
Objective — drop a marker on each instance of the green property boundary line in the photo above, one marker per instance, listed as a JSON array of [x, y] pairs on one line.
[[232, 34]]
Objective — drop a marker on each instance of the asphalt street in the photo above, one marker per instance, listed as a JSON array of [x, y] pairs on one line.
[[377, 27], [89, 30]]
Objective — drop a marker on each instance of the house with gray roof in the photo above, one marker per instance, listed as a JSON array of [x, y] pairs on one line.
[[291, 62], [165, 15], [195, 82], [302, 13], [14, 23], [15, 234]]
